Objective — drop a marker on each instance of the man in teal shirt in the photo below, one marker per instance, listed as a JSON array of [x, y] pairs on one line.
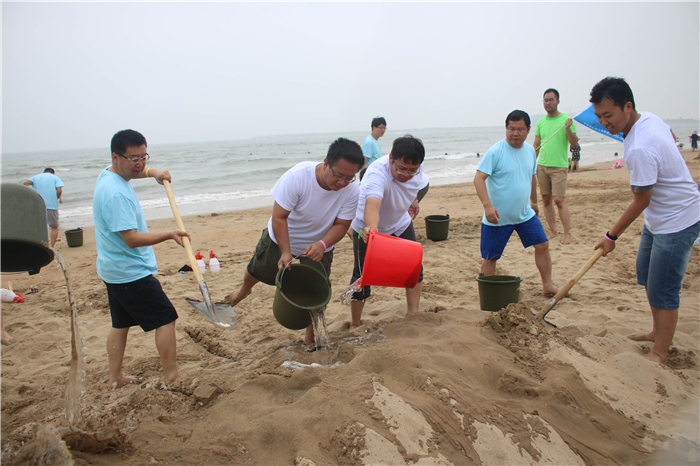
[[126, 261], [371, 148], [50, 187], [506, 186], [553, 161]]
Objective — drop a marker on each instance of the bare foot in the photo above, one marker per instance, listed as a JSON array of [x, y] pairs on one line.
[[121, 381], [552, 234], [656, 357], [353, 327], [237, 296], [408, 313], [550, 290], [5, 339], [176, 380], [642, 337], [566, 240]]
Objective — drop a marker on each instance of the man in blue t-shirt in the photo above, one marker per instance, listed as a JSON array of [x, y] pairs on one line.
[[50, 187], [125, 258], [506, 184], [371, 148]]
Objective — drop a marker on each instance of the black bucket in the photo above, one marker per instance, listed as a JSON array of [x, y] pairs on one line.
[[299, 290], [25, 237], [74, 238], [437, 227], [498, 291]]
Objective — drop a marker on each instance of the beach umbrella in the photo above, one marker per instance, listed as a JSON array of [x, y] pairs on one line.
[[588, 119]]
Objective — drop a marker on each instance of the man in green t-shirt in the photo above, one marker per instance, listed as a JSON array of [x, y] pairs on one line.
[[553, 161]]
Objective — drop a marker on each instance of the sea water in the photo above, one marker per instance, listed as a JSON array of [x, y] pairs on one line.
[[233, 175]]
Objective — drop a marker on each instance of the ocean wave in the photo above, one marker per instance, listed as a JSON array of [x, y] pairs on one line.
[[179, 200], [465, 171], [456, 156]]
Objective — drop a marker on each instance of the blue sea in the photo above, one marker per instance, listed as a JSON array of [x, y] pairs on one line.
[[232, 175]]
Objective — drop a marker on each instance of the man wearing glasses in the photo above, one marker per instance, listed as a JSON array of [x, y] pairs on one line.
[[371, 148], [553, 162], [506, 185], [314, 205], [388, 204], [125, 258]]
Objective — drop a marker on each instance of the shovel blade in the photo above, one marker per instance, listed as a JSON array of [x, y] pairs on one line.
[[220, 314]]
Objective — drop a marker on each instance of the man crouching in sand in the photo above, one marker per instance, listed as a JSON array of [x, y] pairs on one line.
[[125, 258]]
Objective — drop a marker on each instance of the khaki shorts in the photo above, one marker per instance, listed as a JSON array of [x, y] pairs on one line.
[[52, 218], [552, 180], [263, 265]]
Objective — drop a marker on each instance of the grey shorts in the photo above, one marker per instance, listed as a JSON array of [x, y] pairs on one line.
[[263, 265], [52, 218]]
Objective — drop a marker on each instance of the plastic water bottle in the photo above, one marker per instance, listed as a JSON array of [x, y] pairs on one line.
[[213, 263], [200, 262], [7, 296]]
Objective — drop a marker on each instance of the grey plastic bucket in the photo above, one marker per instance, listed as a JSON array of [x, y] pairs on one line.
[[25, 237], [74, 238], [299, 290], [437, 227], [498, 291]]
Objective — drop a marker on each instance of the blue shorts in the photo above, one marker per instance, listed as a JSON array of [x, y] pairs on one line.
[[661, 264], [494, 239]]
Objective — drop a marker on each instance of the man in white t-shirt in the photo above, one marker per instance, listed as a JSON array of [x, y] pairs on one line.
[[314, 205], [388, 203], [662, 188]]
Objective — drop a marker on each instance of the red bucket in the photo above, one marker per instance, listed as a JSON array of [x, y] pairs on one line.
[[391, 261]]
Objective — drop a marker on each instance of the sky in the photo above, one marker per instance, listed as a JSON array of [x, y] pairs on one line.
[[73, 74]]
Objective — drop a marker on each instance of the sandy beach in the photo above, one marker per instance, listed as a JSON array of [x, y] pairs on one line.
[[452, 385]]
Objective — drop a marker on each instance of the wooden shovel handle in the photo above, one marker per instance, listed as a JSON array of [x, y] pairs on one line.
[[185, 239], [570, 284]]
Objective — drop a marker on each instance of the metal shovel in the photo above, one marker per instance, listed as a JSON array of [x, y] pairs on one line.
[[219, 314]]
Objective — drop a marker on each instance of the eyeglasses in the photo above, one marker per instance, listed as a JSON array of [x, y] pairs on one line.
[[382, 127], [405, 171], [341, 178], [135, 160], [516, 130], [548, 101]]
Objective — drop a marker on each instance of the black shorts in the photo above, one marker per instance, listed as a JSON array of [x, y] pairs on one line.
[[359, 249], [142, 302]]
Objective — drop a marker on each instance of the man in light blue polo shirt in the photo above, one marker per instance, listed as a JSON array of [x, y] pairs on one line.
[[371, 148], [50, 187], [125, 258], [506, 183]]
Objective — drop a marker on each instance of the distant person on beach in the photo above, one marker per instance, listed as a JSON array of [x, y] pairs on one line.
[[575, 157], [388, 204], [553, 161], [662, 188], [50, 187], [371, 148], [693, 141], [125, 258], [314, 205], [506, 183]]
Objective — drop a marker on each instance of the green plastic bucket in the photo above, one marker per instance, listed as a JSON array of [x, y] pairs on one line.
[[437, 227], [498, 291], [25, 238], [74, 238], [299, 290]]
